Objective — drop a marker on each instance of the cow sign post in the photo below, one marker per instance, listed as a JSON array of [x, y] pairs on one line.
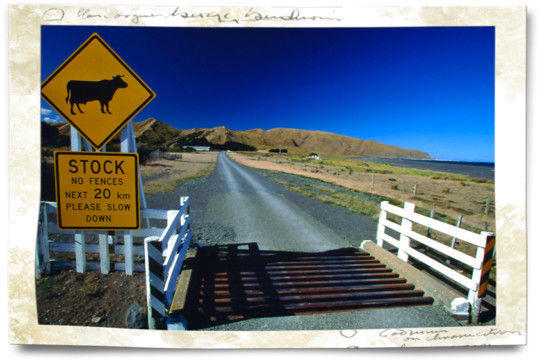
[[98, 94]]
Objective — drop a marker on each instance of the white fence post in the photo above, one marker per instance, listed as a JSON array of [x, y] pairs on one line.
[[105, 261], [43, 263], [128, 252], [80, 252], [380, 226], [481, 275], [406, 225]]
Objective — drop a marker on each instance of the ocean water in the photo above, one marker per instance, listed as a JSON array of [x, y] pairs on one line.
[[482, 170]]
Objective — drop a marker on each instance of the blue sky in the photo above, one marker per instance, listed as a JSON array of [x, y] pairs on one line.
[[424, 88]]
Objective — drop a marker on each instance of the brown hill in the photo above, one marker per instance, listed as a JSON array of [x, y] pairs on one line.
[[155, 133], [325, 143], [296, 141], [152, 131]]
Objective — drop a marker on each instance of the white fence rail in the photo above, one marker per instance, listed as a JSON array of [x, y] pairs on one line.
[[52, 241], [476, 283]]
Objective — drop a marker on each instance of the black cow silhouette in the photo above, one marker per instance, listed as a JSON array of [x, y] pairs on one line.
[[81, 92]]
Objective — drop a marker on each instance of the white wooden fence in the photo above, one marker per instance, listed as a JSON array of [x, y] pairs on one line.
[[162, 252], [164, 256], [52, 241], [476, 283]]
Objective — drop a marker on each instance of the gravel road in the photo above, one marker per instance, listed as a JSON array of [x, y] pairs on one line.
[[237, 205]]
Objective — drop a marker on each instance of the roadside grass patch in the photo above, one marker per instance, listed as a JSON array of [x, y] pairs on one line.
[[335, 196], [168, 184], [362, 166]]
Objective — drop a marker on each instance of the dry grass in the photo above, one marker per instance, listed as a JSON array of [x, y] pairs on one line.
[[162, 175], [448, 194]]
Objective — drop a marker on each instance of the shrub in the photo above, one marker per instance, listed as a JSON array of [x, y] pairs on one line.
[[394, 186], [479, 181]]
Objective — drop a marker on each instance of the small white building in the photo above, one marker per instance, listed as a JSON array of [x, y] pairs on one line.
[[314, 157], [198, 148]]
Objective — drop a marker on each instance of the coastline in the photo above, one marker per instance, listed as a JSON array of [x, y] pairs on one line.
[[482, 170]]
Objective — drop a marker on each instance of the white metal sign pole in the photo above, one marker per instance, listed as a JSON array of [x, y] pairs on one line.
[[128, 144], [80, 238]]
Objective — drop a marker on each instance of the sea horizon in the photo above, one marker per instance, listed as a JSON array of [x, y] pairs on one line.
[[475, 169]]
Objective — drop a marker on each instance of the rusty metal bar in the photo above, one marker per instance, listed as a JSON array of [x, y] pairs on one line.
[[337, 289], [328, 306], [378, 268], [324, 298]]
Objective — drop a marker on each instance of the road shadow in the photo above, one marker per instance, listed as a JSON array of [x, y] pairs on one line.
[[240, 281]]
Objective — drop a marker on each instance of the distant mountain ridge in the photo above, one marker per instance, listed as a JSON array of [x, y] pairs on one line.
[[295, 141], [156, 134]]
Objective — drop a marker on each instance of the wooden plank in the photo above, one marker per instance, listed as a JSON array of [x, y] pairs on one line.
[[180, 308], [448, 229], [453, 253], [443, 269]]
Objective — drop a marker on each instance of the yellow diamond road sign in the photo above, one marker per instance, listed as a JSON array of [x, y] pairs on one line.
[[96, 91], [97, 190]]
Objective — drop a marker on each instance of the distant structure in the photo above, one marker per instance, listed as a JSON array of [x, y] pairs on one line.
[[314, 157], [197, 148]]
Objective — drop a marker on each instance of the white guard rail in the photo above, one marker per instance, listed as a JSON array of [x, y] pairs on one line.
[[164, 256], [481, 263]]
